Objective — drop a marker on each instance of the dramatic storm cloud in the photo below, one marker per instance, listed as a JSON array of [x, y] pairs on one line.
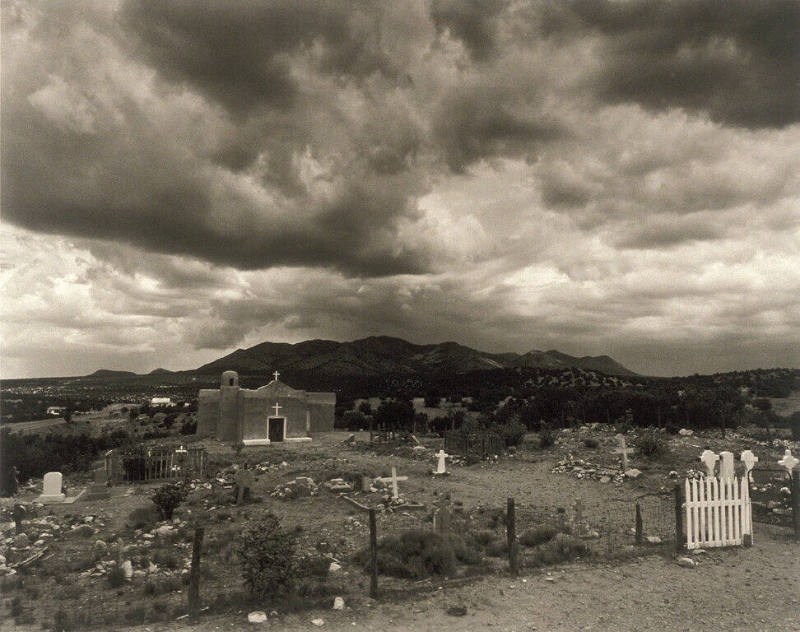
[[182, 178]]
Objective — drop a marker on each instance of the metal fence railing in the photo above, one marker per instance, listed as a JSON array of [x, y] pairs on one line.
[[155, 463]]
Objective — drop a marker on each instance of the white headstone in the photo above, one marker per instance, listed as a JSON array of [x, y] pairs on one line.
[[51, 488], [788, 461], [709, 460], [749, 459], [726, 466], [440, 466], [624, 450]]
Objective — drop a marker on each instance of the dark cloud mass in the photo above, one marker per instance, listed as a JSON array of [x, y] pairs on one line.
[[597, 176], [737, 60]]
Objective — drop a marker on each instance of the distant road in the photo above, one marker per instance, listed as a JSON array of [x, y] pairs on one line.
[[35, 426]]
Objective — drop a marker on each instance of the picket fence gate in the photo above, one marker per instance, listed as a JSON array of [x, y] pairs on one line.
[[718, 512]]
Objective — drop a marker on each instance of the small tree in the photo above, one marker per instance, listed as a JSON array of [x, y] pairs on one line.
[[167, 498], [267, 554]]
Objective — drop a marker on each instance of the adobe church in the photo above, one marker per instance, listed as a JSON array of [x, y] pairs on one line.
[[271, 413]]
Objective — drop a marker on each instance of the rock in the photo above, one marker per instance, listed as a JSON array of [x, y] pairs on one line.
[[673, 474], [633, 473], [165, 529], [686, 562], [334, 567], [257, 616], [318, 622], [338, 603], [685, 432], [127, 569], [605, 479], [100, 546], [152, 568], [21, 541], [653, 539], [457, 611], [699, 552]]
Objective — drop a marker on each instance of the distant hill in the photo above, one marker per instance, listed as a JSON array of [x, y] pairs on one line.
[[380, 355], [161, 372], [110, 373]]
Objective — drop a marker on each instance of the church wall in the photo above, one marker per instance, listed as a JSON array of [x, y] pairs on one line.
[[207, 412], [253, 419], [227, 429], [321, 407]]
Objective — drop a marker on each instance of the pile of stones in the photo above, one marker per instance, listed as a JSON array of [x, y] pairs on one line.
[[299, 487], [583, 469]]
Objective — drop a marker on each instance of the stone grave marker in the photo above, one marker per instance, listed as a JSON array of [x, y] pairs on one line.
[[51, 488], [709, 460], [623, 450], [726, 466], [441, 468], [244, 481], [788, 461], [99, 489], [443, 515], [395, 490], [749, 459]]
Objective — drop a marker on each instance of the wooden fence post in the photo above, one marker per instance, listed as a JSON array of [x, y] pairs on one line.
[[638, 523], [194, 573], [678, 519], [796, 500], [373, 555], [511, 532]]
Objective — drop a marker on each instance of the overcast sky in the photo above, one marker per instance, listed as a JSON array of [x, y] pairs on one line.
[[182, 178]]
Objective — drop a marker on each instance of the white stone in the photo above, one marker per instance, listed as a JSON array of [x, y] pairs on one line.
[[165, 529], [633, 473], [127, 569], [709, 460], [257, 616], [100, 546], [338, 603], [334, 567], [318, 622], [686, 562], [653, 539], [51, 488], [788, 461], [685, 432]]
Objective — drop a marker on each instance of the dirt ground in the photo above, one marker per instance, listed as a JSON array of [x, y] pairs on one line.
[[732, 589]]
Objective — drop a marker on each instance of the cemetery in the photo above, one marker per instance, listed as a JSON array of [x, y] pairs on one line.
[[352, 526]]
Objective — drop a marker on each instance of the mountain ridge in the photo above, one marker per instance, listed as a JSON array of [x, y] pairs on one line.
[[377, 355]]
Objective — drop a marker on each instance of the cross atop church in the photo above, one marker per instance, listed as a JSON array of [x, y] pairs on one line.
[[277, 407], [276, 375]]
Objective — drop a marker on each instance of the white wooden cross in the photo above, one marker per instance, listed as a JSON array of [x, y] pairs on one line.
[[788, 461], [749, 459], [277, 407], [276, 375], [624, 451], [709, 460], [440, 467]]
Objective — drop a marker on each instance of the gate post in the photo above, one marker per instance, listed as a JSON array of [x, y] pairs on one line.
[[678, 519]]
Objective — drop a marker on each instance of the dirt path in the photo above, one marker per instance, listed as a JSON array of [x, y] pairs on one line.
[[754, 589]]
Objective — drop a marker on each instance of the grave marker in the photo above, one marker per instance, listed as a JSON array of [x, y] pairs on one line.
[[709, 460], [788, 461], [395, 491], [624, 450], [441, 468], [749, 459], [726, 466], [244, 481], [51, 488], [99, 489]]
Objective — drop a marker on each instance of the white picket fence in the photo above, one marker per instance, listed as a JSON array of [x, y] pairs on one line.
[[718, 512]]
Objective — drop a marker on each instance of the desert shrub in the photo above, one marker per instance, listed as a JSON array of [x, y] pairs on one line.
[[418, 554], [651, 443], [562, 548], [116, 576], [316, 566], [70, 592], [62, 621], [143, 517], [497, 548], [166, 558], [482, 537], [547, 436], [167, 498], [16, 606], [189, 427], [136, 615], [83, 531], [513, 432], [589, 442], [537, 536], [267, 556], [794, 425]]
